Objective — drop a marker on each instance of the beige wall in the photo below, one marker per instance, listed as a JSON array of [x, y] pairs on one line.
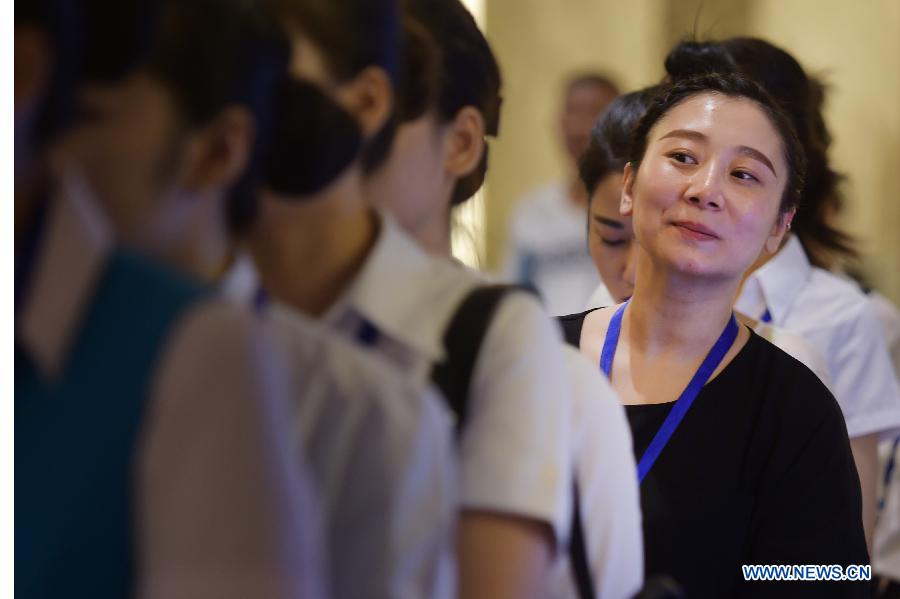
[[856, 45], [538, 43]]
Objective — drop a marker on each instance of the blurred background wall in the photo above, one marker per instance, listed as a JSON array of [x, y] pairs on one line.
[[856, 46]]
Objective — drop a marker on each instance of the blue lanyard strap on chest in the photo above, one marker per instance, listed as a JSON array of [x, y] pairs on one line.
[[687, 397]]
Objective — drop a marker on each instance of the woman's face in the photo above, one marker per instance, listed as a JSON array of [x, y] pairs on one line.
[[705, 200], [132, 148], [610, 238]]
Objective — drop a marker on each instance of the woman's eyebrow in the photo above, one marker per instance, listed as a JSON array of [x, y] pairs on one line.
[[757, 155], [685, 133], [609, 222]]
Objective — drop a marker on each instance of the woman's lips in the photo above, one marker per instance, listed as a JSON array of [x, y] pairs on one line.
[[695, 230]]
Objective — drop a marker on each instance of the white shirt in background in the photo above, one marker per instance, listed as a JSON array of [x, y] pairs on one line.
[[380, 449], [886, 545], [514, 450], [547, 248], [886, 542], [222, 507], [609, 494], [834, 316], [889, 317]]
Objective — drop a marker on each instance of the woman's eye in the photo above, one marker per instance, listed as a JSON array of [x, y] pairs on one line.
[[682, 157], [613, 242], [744, 176]]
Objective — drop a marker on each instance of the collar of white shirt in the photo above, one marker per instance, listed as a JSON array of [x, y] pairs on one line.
[[780, 279], [72, 252], [385, 292]]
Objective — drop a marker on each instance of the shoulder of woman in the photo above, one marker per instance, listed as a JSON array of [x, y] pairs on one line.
[[795, 389], [593, 330]]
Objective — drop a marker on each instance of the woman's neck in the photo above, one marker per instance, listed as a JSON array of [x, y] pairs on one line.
[[198, 245], [308, 250], [434, 234], [670, 310]]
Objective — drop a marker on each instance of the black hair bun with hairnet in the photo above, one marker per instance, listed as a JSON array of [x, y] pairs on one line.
[[691, 58], [313, 141]]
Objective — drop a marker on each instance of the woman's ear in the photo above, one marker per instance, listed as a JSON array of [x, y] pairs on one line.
[[465, 143], [220, 152], [779, 230], [626, 203], [369, 97]]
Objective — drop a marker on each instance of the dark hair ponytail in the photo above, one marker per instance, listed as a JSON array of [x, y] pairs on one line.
[[467, 75]]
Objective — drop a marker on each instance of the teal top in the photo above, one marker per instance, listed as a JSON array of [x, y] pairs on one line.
[[75, 436]]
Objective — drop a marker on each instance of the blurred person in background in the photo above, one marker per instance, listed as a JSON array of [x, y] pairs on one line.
[[152, 456], [546, 241], [450, 100], [793, 288], [378, 442]]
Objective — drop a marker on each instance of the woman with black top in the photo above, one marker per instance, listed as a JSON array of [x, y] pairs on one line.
[[743, 452]]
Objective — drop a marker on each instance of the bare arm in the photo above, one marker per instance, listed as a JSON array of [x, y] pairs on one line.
[[502, 556], [865, 454]]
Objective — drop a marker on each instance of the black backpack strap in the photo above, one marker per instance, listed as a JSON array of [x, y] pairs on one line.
[[578, 557], [462, 340]]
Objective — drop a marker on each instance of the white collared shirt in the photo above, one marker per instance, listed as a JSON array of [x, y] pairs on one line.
[[514, 451], [834, 316], [886, 540], [381, 451], [609, 493], [889, 317], [206, 526], [547, 247]]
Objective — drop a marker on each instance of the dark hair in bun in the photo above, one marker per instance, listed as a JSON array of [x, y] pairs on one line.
[[692, 58]]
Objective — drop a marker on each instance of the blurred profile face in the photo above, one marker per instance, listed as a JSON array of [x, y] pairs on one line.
[[583, 105], [705, 200], [33, 56], [611, 238], [130, 145], [410, 184]]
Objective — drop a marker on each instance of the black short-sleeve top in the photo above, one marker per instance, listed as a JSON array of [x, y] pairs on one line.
[[758, 472]]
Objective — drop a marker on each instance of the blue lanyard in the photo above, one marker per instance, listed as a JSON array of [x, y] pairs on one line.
[[683, 404], [766, 316]]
